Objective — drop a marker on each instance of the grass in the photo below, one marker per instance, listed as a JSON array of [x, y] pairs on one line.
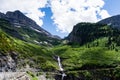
[[89, 63], [33, 77], [35, 55], [77, 58]]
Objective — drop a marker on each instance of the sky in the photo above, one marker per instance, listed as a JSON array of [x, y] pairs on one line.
[[59, 16]]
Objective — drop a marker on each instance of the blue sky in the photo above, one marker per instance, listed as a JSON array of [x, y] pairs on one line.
[[112, 6], [49, 24], [59, 16]]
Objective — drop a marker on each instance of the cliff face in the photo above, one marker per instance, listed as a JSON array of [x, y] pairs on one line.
[[87, 32], [74, 36]]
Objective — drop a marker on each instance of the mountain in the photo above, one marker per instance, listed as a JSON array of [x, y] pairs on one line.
[[87, 32], [113, 21], [24, 28]]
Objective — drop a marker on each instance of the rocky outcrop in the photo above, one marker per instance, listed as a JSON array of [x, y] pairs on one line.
[[8, 62]]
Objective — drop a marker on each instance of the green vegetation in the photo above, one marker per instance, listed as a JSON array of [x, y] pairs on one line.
[[27, 34], [93, 62], [87, 32], [33, 77], [92, 53], [34, 55], [86, 58], [6, 43], [30, 53], [94, 50]]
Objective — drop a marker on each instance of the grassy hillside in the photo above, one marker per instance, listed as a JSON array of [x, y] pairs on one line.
[[34, 55], [76, 58], [92, 52], [90, 60]]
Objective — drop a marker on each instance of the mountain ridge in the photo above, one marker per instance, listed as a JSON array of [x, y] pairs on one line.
[[17, 18], [79, 34], [27, 28]]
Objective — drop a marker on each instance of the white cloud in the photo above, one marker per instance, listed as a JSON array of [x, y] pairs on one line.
[[67, 13], [104, 14], [26, 6]]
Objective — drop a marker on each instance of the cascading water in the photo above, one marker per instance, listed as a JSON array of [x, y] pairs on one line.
[[59, 63], [61, 69]]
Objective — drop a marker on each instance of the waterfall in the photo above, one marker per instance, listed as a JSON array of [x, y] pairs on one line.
[[60, 67], [59, 63]]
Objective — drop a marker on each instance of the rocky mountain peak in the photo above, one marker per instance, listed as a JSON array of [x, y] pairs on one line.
[[18, 18], [15, 14]]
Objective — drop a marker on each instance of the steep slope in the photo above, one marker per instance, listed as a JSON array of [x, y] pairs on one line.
[[114, 21], [22, 27], [87, 32], [16, 54]]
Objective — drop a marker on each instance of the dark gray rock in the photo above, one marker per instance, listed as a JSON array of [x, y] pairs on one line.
[[7, 62], [2, 15]]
